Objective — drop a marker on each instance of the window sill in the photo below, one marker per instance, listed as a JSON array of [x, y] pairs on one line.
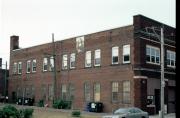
[[158, 64]]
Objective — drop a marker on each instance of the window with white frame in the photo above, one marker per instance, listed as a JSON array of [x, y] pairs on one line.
[[115, 55], [19, 67], [72, 60], [65, 62], [97, 57], [87, 92], [126, 92], [34, 65], [45, 64], [64, 92], [28, 66], [115, 90], [97, 92], [126, 54], [80, 44], [88, 59], [51, 66], [171, 58], [152, 54], [14, 68]]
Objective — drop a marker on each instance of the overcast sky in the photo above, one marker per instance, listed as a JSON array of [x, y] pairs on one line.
[[34, 20]]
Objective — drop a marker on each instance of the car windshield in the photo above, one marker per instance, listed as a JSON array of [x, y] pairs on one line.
[[121, 111]]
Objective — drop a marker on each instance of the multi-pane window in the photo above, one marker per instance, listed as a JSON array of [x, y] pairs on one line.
[[64, 92], [43, 92], [87, 94], [14, 68], [50, 92], [126, 54], [65, 62], [126, 92], [115, 89], [72, 60], [171, 58], [20, 68], [80, 44], [28, 66], [88, 59], [45, 64], [97, 92], [152, 55], [51, 66], [97, 57], [115, 55], [34, 65], [71, 91]]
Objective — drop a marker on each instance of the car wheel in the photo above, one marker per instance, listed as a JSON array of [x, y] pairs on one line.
[[123, 117], [143, 117]]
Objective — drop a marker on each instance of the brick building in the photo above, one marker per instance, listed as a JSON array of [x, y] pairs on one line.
[[119, 67]]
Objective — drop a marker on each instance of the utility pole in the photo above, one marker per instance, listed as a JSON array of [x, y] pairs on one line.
[[162, 74], [54, 73]]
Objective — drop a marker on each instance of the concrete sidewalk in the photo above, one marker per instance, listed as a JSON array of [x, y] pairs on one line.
[[171, 115]]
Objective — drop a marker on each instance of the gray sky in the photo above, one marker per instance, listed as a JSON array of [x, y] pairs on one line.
[[34, 20]]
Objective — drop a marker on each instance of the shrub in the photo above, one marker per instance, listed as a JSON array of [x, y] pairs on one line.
[[10, 111], [76, 113], [61, 104], [41, 103], [26, 113]]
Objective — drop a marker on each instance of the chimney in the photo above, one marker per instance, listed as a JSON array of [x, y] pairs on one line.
[[0, 63], [14, 40]]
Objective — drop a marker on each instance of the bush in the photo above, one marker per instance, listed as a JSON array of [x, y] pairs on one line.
[[41, 103], [76, 113], [11, 112], [26, 113], [61, 104]]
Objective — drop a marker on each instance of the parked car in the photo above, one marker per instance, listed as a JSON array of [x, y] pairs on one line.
[[131, 112]]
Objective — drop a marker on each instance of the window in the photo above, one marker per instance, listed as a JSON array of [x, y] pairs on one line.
[[45, 64], [115, 89], [72, 60], [126, 54], [14, 68], [88, 59], [51, 66], [43, 92], [28, 66], [152, 55], [97, 57], [87, 94], [126, 92], [20, 68], [115, 55], [64, 92], [97, 90], [34, 65], [50, 92], [64, 62], [171, 58], [80, 44], [71, 91]]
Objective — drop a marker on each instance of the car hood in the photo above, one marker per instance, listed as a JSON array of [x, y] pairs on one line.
[[114, 116]]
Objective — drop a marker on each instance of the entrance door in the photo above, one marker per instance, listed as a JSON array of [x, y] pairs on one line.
[[157, 100]]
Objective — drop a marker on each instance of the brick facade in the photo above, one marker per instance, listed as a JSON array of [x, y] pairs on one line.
[[104, 74]]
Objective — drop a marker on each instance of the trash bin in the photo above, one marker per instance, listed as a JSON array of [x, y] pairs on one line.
[[99, 107], [19, 101], [95, 107]]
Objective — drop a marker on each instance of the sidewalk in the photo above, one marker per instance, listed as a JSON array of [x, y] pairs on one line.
[[171, 115]]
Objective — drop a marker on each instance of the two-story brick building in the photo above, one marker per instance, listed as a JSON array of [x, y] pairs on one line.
[[119, 67]]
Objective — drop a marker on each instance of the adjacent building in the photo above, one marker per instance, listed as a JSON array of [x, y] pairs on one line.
[[119, 67]]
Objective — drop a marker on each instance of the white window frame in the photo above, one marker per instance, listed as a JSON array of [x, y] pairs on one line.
[[19, 67], [115, 89], [14, 68], [86, 59], [170, 53], [51, 63], [113, 49], [156, 49], [72, 56], [95, 57], [63, 61], [34, 61], [125, 48], [45, 64], [28, 66]]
